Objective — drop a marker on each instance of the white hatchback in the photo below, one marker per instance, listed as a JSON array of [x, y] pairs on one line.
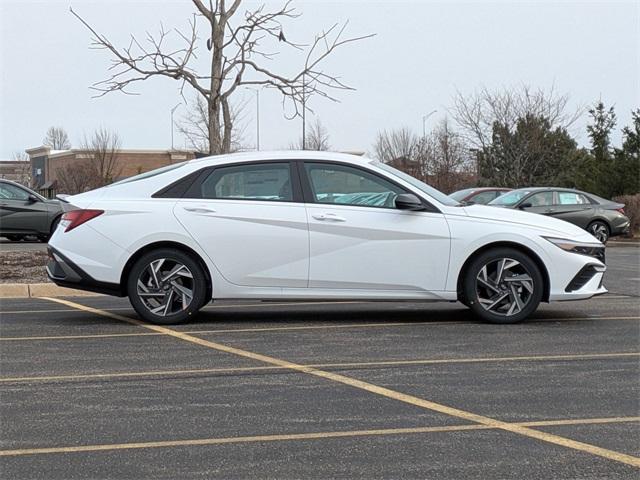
[[312, 225]]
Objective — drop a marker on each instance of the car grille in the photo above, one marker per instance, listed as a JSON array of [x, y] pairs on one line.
[[581, 279]]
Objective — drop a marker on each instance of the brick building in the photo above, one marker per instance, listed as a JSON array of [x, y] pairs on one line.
[[16, 171], [46, 163]]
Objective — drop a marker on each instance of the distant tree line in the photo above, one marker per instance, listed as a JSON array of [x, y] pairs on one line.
[[519, 138]]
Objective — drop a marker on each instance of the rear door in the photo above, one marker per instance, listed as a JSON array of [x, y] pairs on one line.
[[574, 207], [250, 220], [359, 240]]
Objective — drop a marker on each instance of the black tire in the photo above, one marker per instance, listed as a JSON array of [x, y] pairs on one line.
[[14, 238], [482, 289], [600, 230], [174, 310]]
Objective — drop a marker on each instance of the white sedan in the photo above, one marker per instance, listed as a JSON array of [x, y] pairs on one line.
[[311, 225]]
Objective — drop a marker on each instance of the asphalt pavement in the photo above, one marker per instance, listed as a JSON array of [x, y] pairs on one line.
[[323, 390]]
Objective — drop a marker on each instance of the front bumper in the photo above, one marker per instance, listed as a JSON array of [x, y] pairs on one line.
[[65, 273], [586, 283]]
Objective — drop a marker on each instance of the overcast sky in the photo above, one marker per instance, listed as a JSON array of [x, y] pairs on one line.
[[422, 52]]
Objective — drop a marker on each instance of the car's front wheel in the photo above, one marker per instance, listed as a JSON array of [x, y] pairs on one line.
[[503, 285], [166, 286]]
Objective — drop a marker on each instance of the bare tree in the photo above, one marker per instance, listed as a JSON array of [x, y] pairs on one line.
[[96, 163], [518, 134], [477, 113], [395, 144], [76, 177], [450, 165], [194, 126], [441, 158], [239, 54], [57, 138], [317, 138], [103, 152], [23, 172]]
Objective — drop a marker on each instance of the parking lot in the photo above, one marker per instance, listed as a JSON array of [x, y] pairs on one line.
[[323, 390]]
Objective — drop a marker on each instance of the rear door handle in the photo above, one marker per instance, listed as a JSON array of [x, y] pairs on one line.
[[331, 217], [199, 210]]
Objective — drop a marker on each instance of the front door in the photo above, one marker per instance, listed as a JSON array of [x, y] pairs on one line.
[[359, 240], [19, 213], [248, 221]]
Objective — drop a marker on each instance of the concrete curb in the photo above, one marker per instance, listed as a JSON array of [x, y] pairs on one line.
[[623, 243], [27, 290]]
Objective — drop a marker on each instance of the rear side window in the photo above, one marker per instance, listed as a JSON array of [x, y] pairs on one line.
[[572, 198], [265, 182]]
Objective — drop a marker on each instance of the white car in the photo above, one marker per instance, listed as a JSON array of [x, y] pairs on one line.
[[312, 225]]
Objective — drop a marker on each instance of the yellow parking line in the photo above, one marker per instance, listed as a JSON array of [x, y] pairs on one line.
[[229, 330], [275, 329], [382, 391], [207, 307], [153, 373], [297, 436]]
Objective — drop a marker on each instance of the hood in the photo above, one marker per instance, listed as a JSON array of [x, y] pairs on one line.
[[532, 220]]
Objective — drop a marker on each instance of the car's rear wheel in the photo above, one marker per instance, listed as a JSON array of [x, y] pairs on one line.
[[503, 285], [166, 286], [600, 230]]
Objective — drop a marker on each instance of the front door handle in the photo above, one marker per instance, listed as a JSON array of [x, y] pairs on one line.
[[199, 210], [332, 217]]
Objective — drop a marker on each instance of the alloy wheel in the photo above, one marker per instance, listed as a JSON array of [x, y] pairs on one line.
[[504, 286], [165, 287], [600, 231]]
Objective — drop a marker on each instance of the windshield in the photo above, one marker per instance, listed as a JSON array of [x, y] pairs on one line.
[[460, 194], [151, 173], [429, 190], [510, 198]]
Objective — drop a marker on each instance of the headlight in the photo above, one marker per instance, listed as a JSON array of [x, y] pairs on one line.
[[595, 250]]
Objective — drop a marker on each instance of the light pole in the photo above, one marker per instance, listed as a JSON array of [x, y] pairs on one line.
[[424, 122], [172, 111]]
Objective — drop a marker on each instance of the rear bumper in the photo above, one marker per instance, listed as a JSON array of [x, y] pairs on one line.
[[620, 229], [65, 273]]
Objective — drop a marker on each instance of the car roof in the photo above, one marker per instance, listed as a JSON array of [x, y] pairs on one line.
[[254, 156]]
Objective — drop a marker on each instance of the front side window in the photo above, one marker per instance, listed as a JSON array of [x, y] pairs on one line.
[[541, 199], [11, 192], [572, 198], [268, 182], [483, 197], [510, 198], [344, 185]]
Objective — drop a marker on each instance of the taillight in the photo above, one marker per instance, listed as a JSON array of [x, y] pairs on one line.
[[620, 210], [75, 218]]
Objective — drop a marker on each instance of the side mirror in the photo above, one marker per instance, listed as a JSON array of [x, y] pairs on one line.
[[33, 199], [525, 205], [408, 201]]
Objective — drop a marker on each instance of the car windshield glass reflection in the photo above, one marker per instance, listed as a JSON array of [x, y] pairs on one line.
[[510, 198]]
